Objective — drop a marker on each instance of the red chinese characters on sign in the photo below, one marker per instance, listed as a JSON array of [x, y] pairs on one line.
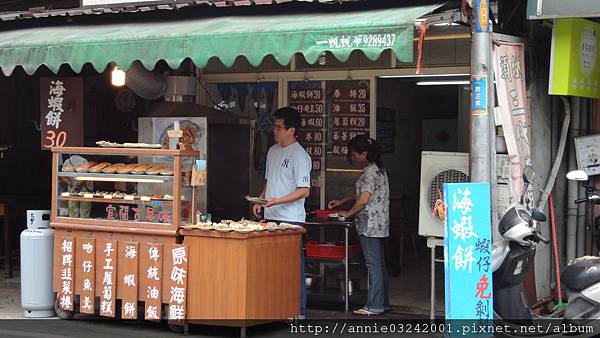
[[482, 288], [309, 108], [109, 276], [351, 94], [124, 212], [88, 271], [164, 217], [305, 94], [150, 215], [110, 212], [350, 108], [178, 282], [67, 254], [151, 274], [136, 214]]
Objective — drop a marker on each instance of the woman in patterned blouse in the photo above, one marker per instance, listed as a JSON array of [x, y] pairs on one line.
[[372, 220]]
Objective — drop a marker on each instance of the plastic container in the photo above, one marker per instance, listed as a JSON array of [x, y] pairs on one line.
[[324, 214], [324, 250]]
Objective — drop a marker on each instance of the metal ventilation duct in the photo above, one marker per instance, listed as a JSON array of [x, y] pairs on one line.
[[151, 86], [181, 89], [144, 83]]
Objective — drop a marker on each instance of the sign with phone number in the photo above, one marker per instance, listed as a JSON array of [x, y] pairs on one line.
[[61, 112]]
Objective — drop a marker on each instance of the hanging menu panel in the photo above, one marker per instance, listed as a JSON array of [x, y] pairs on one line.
[[350, 113], [307, 98]]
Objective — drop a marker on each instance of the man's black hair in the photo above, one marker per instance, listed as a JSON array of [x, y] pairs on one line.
[[290, 116]]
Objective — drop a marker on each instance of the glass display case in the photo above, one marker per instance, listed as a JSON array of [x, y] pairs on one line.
[[144, 188]]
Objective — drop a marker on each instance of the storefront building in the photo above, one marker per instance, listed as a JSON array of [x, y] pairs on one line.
[[354, 70]]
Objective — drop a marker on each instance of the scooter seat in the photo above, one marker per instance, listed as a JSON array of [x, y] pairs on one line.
[[581, 273]]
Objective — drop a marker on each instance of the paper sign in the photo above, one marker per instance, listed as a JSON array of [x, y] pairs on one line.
[[87, 260]]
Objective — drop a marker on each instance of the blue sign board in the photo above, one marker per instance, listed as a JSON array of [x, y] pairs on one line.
[[482, 16], [468, 251], [479, 95]]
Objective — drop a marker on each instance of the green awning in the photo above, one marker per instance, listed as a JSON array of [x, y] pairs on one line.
[[225, 37]]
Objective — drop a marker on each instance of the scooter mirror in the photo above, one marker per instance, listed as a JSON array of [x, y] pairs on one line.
[[577, 175], [538, 215], [528, 174]]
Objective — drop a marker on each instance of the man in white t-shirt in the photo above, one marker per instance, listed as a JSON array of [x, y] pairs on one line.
[[287, 182]]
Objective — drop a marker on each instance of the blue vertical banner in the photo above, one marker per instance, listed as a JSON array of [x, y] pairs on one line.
[[482, 16], [468, 252], [479, 100]]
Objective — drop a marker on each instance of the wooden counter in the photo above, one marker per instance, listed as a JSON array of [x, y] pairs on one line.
[[237, 277]]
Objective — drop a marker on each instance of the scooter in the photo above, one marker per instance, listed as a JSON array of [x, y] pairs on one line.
[[514, 253]]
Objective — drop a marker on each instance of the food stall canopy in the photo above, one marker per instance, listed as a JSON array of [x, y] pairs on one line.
[[200, 39]]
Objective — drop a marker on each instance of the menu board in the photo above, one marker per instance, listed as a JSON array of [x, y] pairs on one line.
[[61, 112], [350, 113], [309, 101]]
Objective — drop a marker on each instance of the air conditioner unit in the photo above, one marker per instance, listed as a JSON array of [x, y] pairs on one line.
[[438, 168]]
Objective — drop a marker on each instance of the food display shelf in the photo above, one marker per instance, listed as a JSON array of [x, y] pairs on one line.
[[118, 177], [114, 200]]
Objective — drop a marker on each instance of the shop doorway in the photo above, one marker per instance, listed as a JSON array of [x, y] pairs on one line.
[[416, 115]]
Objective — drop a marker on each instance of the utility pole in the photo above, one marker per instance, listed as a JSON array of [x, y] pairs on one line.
[[481, 92]]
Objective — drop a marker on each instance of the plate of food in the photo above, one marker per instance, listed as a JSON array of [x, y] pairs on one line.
[[109, 144], [337, 217], [156, 169], [256, 200], [142, 145], [140, 169], [244, 230], [222, 227], [289, 226], [190, 131], [189, 226], [206, 226], [167, 172], [127, 168], [98, 167], [111, 169], [85, 166]]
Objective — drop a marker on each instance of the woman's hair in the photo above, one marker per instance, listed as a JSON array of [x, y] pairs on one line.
[[362, 143]]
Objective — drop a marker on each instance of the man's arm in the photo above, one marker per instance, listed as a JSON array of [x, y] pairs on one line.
[[256, 207], [301, 192], [264, 190]]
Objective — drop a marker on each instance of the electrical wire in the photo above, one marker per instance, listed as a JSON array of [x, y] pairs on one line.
[[215, 105]]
